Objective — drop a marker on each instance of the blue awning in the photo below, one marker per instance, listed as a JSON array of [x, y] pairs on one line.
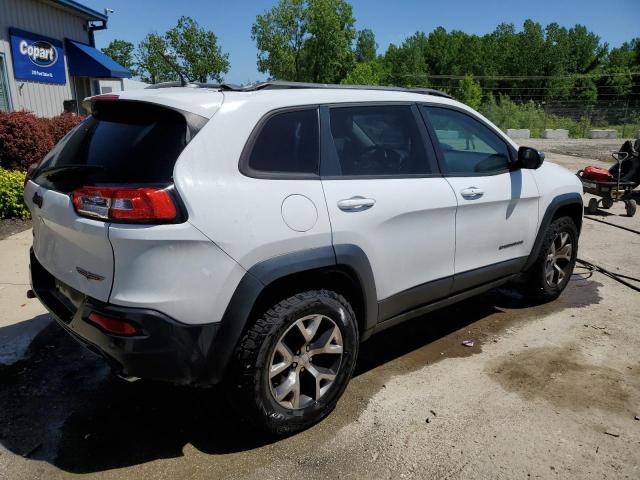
[[86, 61]]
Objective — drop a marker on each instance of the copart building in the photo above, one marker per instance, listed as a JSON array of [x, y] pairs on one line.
[[48, 59]]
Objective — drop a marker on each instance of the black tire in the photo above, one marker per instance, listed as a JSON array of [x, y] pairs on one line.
[[607, 203], [592, 206], [631, 207], [536, 285], [249, 386]]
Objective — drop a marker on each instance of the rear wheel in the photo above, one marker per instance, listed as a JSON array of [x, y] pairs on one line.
[[631, 207], [592, 207], [294, 363], [550, 273], [607, 203]]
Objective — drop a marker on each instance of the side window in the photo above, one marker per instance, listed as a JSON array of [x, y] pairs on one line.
[[468, 146], [287, 143], [378, 140]]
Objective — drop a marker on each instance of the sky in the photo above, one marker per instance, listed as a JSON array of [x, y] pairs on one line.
[[615, 21]]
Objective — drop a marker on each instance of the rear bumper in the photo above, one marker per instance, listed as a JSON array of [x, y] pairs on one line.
[[165, 350]]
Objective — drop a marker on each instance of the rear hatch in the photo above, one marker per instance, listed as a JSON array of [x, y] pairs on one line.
[[114, 167]]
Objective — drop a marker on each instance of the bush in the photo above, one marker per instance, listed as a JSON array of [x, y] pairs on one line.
[[11, 189], [505, 113], [60, 125], [24, 139]]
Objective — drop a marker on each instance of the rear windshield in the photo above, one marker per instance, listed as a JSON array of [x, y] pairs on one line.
[[121, 142]]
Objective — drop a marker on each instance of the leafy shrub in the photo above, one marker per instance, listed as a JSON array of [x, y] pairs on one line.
[[11, 189], [24, 139], [505, 113], [60, 125]]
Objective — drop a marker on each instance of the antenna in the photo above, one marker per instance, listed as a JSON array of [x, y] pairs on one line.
[[175, 67]]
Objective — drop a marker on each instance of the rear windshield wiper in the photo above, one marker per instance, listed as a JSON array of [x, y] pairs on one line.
[[54, 172]]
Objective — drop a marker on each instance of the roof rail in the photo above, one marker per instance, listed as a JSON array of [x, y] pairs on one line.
[[282, 85], [177, 83]]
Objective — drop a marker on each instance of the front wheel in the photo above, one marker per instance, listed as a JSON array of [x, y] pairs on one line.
[[550, 273], [294, 363]]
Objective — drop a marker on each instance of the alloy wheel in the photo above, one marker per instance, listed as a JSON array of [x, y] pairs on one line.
[[558, 262], [305, 361]]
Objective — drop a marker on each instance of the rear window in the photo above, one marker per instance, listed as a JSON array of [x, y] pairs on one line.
[[121, 142]]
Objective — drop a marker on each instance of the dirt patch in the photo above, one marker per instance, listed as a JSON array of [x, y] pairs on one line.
[[439, 335], [598, 149], [11, 226], [563, 377]]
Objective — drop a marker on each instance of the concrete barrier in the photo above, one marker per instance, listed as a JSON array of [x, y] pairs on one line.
[[556, 133], [611, 134], [518, 133], [447, 134]]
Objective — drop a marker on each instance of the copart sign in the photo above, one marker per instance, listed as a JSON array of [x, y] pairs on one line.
[[37, 58]]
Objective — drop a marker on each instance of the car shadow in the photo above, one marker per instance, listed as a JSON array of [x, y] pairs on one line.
[[61, 404]]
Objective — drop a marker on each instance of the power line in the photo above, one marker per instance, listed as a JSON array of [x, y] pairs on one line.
[[527, 77]]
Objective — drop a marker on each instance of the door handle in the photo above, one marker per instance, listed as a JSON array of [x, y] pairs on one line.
[[356, 204], [471, 193]]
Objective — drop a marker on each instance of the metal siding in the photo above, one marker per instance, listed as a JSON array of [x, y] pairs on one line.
[[40, 17]]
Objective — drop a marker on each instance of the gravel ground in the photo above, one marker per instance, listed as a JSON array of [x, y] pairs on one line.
[[547, 391], [577, 147]]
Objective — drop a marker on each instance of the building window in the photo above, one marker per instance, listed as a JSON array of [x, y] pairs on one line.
[[5, 103]]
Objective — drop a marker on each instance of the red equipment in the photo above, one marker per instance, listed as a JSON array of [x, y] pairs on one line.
[[597, 174]]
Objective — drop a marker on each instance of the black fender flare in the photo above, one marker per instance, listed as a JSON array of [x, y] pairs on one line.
[[573, 198], [258, 277]]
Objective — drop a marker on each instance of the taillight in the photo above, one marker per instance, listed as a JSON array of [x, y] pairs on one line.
[[125, 204], [114, 325]]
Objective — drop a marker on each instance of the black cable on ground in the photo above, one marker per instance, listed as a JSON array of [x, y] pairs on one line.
[[614, 276], [613, 224]]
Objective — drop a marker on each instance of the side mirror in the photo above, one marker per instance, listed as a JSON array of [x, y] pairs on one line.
[[530, 158]]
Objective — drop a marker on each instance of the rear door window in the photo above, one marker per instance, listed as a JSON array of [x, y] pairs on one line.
[[121, 142], [287, 143]]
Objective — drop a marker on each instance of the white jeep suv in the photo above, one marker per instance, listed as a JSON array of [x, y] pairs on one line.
[[254, 236]]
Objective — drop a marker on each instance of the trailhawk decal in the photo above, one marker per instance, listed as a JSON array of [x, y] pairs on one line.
[[37, 58]]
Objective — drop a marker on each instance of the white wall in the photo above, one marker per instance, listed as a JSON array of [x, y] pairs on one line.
[[44, 18], [108, 86]]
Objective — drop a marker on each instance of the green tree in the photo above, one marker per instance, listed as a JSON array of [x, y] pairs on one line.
[[196, 51], [280, 35], [366, 46], [305, 40], [153, 64], [626, 55], [122, 52], [469, 92], [365, 73], [405, 66], [328, 53], [534, 63]]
